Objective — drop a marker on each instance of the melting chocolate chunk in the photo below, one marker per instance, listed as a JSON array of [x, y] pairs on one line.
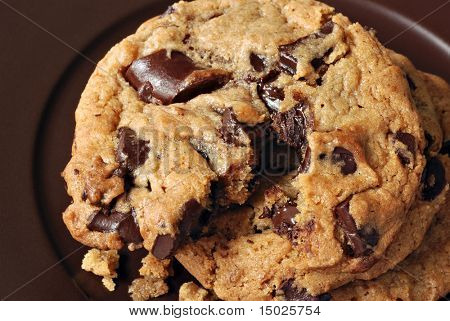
[[357, 242], [129, 230], [257, 62], [346, 159], [292, 293], [291, 125], [433, 179], [445, 150], [162, 79], [288, 62], [271, 95], [166, 245], [231, 128], [131, 152], [410, 142], [283, 218], [125, 224]]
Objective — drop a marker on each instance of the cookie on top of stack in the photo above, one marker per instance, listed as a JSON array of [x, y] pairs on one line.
[[274, 148]]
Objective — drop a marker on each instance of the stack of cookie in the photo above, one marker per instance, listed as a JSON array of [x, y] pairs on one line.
[[274, 148]]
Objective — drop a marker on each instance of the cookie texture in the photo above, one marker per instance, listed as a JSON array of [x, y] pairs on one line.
[[180, 122]]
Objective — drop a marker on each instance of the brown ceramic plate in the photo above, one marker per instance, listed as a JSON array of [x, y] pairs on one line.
[[42, 79]]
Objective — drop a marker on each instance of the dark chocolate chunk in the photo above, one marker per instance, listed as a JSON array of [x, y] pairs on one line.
[[292, 293], [129, 230], [357, 242], [327, 28], [346, 159], [257, 62], [231, 128], [271, 95], [411, 83], [445, 150], [125, 224], [163, 79], [410, 142], [106, 220], [164, 246], [192, 211], [131, 152], [288, 62], [291, 125], [433, 179], [283, 218]]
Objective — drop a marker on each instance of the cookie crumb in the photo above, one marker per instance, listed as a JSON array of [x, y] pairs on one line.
[[192, 292], [142, 289], [102, 263]]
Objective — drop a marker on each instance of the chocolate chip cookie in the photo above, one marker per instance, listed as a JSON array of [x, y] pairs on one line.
[[174, 124]]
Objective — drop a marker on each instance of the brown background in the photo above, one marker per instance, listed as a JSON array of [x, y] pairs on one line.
[[39, 73]]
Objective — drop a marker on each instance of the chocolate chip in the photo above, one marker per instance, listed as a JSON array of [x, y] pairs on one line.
[[292, 293], [84, 196], [346, 159], [129, 230], [411, 83], [131, 151], [288, 62], [257, 62], [327, 28], [445, 150], [106, 220], [410, 142], [192, 211], [433, 179], [283, 218], [125, 224], [164, 246], [271, 95], [231, 128], [357, 242], [291, 125], [163, 79]]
